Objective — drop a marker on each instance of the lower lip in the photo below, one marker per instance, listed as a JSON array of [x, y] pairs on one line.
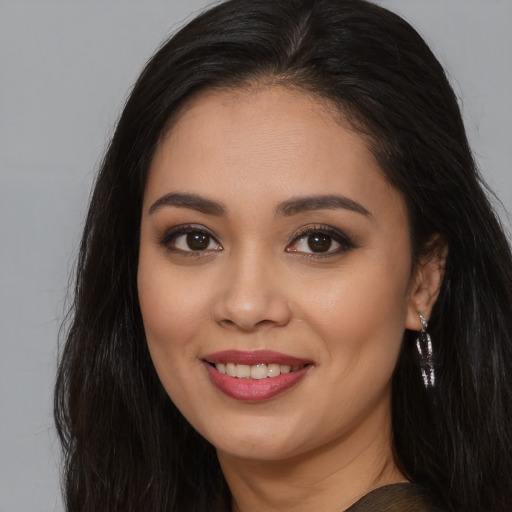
[[254, 390]]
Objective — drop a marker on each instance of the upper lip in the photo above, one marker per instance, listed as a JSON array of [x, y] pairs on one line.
[[253, 357]]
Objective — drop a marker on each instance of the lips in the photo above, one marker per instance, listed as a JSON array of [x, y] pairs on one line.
[[255, 375]]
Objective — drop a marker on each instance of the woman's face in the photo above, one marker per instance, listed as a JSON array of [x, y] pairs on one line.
[[274, 274]]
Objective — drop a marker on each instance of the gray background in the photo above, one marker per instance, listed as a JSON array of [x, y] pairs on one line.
[[65, 70]]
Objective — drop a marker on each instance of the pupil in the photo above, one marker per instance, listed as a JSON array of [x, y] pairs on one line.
[[198, 241], [319, 243]]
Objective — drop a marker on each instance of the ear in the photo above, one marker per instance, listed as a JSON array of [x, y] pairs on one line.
[[426, 282]]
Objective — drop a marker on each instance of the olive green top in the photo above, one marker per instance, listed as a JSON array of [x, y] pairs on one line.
[[404, 497]]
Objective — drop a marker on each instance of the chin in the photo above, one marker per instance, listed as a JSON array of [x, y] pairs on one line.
[[262, 441]]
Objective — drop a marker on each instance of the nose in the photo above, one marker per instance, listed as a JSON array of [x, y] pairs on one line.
[[251, 296]]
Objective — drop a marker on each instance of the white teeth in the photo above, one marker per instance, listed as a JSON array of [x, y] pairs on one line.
[[273, 370], [243, 371], [255, 371], [231, 369], [259, 371]]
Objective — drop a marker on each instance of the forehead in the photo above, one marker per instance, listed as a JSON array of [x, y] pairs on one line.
[[268, 142]]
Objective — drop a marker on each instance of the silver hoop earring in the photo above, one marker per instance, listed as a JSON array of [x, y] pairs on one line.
[[424, 346]]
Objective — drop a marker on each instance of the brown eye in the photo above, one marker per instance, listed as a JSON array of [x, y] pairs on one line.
[[197, 241], [319, 242], [186, 239]]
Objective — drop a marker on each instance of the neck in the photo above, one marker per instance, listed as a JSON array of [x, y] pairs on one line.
[[327, 479]]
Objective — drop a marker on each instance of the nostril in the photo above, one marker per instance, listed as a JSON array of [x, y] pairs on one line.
[[264, 322], [247, 325], [248, 311], [227, 323]]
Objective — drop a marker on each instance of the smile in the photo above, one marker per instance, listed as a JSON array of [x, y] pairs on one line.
[[256, 371], [256, 375]]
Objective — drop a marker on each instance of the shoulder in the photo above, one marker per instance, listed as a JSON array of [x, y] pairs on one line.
[[402, 497]]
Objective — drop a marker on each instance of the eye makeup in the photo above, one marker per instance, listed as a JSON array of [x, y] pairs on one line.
[[319, 241], [196, 240], [312, 241]]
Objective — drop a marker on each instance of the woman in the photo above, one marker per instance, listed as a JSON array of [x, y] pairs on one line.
[[292, 292]]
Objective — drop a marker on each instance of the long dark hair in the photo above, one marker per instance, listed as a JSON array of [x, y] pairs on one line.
[[126, 446]]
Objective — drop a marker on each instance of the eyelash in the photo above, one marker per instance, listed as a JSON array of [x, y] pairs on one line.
[[344, 241], [186, 229]]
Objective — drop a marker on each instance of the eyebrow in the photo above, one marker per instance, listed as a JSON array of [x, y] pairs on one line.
[[190, 201], [284, 209], [321, 202]]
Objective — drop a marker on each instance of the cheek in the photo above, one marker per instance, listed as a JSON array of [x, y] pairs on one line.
[[170, 317], [361, 322], [361, 315], [171, 321], [171, 304]]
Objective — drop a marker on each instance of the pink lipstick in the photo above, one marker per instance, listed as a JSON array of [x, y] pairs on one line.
[[254, 375]]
